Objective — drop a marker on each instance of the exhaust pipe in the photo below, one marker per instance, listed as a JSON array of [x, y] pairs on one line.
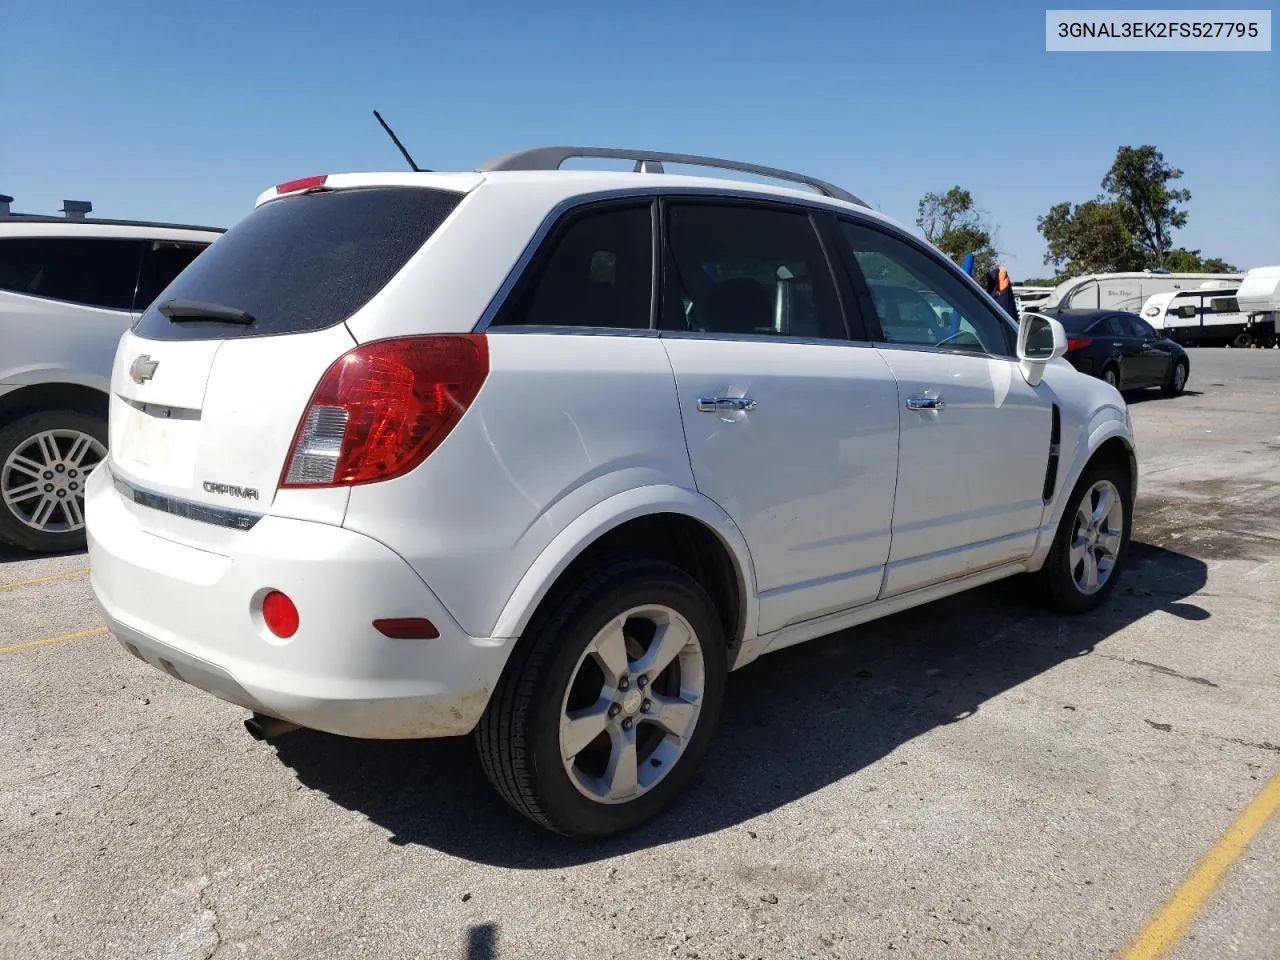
[[262, 727]]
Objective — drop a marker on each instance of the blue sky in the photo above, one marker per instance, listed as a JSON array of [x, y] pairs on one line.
[[184, 111]]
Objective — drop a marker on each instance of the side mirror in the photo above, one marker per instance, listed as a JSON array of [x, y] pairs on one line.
[[1040, 340]]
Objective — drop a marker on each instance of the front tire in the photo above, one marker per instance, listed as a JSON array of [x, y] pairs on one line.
[[45, 458], [610, 702], [1089, 548]]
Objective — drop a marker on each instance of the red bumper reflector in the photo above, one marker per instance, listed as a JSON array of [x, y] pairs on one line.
[[280, 614], [407, 628]]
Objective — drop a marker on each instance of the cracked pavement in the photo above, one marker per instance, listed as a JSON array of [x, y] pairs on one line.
[[972, 779]]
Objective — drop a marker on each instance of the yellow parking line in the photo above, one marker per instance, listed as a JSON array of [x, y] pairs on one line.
[[1168, 926], [14, 584], [45, 641]]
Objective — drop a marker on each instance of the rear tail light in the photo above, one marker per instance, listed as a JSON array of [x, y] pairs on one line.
[[382, 408], [1078, 343]]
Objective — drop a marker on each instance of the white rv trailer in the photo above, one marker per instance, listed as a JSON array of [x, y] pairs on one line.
[[1125, 291], [1030, 298], [1259, 296], [1218, 313]]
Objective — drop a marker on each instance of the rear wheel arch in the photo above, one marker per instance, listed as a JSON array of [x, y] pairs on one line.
[[714, 557], [685, 543], [53, 396]]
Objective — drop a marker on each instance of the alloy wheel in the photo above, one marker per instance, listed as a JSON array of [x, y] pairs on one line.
[[42, 480], [632, 704], [1096, 536]]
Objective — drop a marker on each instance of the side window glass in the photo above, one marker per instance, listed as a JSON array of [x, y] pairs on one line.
[[918, 301], [1136, 327], [161, 266], [1224, 303], [92, 272], [738, 269], [1110, 326], [597, 272]]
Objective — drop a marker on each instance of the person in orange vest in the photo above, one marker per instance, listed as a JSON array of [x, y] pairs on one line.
[[1001, 289]]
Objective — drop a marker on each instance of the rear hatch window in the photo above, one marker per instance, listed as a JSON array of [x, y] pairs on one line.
[[299, 264]]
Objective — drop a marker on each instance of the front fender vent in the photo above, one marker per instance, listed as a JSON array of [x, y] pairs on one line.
[[1055, 445]]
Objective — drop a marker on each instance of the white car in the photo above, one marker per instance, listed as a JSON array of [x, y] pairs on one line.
[[68, 289], [544, 454]]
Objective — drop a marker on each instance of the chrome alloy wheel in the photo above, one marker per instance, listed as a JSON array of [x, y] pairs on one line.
[[632, 705], [1096, 536], [42, 480], [1179, 377]]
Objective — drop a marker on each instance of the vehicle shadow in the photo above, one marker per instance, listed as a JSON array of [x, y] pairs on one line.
[[794, 721], [1145, 396], [10, 554]]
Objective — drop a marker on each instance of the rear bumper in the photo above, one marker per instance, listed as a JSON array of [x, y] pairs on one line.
[[192, 614], [1083, 364]]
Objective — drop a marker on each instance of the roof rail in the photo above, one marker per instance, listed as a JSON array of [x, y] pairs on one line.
[[651, 161]]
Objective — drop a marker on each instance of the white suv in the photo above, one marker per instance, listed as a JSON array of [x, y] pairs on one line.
[[544, 454], [68, 290]]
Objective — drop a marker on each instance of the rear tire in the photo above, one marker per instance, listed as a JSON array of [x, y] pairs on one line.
[[45, 458], [1111, 375], [1091, 543], [579, 670], [1177, 381]]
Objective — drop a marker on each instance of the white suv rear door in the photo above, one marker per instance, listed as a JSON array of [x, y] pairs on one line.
[[792, 429], [974, 447]]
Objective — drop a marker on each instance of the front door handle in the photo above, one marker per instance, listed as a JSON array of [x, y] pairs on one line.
[[925, 403], [724, 404]]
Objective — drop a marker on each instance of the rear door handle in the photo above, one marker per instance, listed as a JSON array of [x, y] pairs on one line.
[[925, 403], [724, 404]]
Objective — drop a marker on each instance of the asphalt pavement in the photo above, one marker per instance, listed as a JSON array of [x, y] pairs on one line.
[[971, 779]]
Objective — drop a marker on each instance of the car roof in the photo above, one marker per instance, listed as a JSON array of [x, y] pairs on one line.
[[61, 227], [564, 185]]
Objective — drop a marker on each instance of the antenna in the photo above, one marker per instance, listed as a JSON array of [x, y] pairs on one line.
[[396, 140]]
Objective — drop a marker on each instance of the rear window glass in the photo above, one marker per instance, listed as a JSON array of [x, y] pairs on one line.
[[303, 263]]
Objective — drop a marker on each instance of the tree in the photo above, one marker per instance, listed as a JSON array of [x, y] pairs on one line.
[[952, 223], [1139, 180], [1181, 260], [1090, 237], [1218, 265], [937, 214]]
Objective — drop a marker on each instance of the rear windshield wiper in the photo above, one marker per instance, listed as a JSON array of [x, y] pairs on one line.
[[180, 310]]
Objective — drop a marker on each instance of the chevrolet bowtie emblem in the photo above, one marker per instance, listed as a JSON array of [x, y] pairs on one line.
[[143, 368]]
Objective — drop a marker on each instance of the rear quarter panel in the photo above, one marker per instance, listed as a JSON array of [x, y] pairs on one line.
[[563, 423], [49, 341]]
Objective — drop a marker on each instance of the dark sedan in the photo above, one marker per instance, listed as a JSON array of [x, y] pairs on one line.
[[1123, 349]]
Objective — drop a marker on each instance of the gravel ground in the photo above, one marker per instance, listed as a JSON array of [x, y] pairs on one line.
[[971, 779]]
